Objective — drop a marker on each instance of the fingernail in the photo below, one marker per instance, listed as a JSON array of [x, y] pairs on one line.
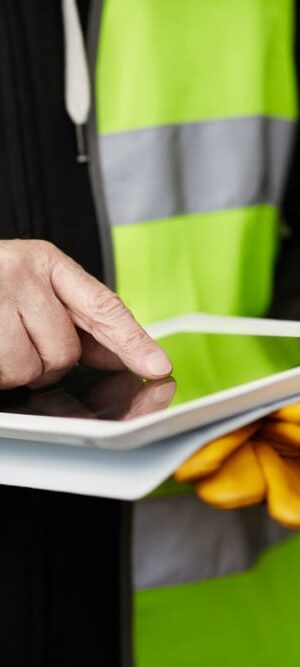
[[157, 363], [164, 392]]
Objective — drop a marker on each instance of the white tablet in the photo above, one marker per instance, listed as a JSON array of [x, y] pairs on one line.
[[217, 374]]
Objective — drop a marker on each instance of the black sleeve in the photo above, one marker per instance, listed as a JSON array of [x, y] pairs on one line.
[[44, 192]]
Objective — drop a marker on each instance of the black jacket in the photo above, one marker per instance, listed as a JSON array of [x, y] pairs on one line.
[[59, 555], [44, 192]]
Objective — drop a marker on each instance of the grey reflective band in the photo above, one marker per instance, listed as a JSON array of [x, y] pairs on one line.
[[179, 540], [154, 173]]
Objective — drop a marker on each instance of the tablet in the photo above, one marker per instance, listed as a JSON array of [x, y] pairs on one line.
[[216, 376]]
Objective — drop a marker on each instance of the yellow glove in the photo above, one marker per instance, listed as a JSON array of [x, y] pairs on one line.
[[259, 461], [291, 413], [239, 482], [211, 457], [283, 485]]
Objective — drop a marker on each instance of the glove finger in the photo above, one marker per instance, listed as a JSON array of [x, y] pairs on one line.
[[238, 483], [211, 457], [285, 433], [285, 451], [283, 486], [290, 413]]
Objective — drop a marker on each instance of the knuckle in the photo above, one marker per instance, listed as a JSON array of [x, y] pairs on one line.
[[8, 382], [66, 355], [41, 246], [12, 263], [32, 372], [107, 306], [135, 339], [39, 256], [24, 376], [19, 254], [117, 325]]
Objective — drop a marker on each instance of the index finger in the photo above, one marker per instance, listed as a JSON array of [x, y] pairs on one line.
[[99, 311]]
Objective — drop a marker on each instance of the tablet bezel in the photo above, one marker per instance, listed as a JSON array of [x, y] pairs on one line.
[[176, 420]]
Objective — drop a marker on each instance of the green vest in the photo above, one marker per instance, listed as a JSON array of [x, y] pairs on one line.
[[195, 108]]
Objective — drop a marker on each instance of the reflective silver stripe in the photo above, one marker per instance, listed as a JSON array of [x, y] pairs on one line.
[[179, 540], [154, 173]]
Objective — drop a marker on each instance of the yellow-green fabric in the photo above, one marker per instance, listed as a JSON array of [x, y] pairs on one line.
[[175, 61], [218, 263], [171, 62], [245, 620]]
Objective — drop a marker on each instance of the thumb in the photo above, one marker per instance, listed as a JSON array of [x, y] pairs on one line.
[[99, 311]]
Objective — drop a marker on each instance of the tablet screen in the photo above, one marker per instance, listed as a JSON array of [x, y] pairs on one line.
[[203, 364]]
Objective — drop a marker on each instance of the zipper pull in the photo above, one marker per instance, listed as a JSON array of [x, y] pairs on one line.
[[82, 155]]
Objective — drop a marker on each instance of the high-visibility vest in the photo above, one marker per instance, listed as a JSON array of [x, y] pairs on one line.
[[195, 109]]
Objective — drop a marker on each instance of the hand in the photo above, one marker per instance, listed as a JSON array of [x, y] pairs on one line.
[[53, 314]]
